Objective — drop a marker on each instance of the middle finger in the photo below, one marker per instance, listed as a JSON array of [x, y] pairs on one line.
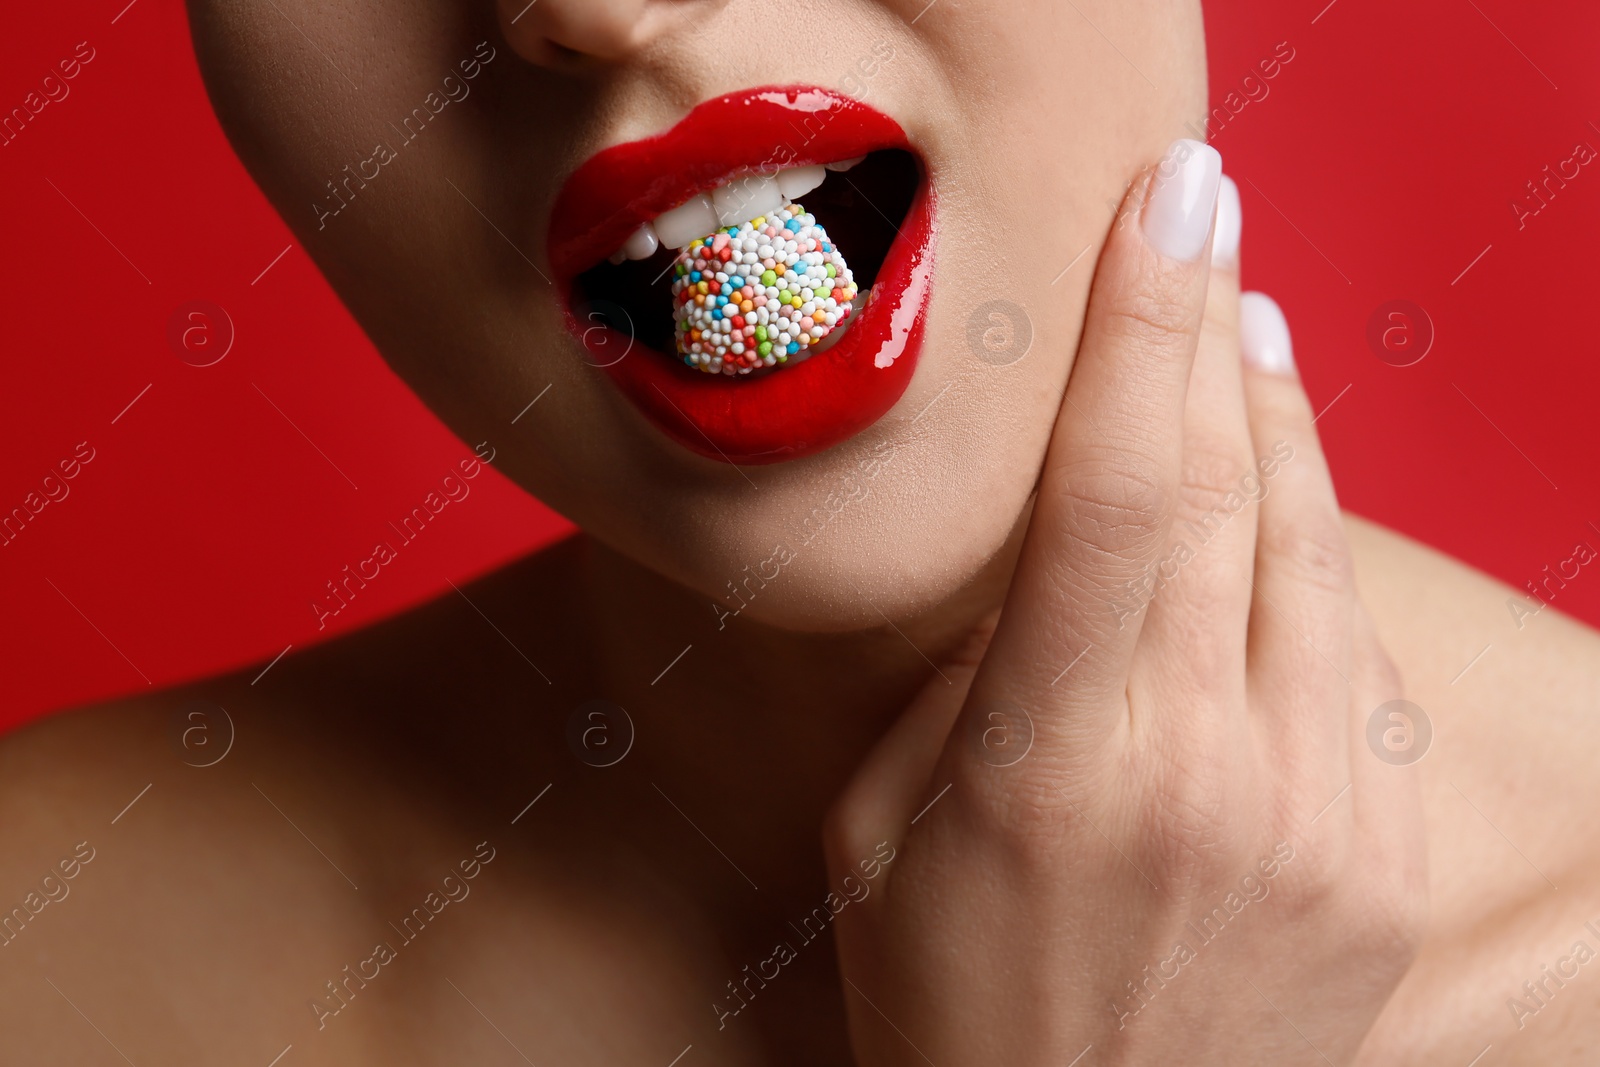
[[1196, 594]]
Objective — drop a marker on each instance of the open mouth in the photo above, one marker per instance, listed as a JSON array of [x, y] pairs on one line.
[[861, 203], [821, 308]]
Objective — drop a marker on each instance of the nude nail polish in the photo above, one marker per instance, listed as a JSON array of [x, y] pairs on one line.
[[1183, 199], [1230, 224], [1264, 334]]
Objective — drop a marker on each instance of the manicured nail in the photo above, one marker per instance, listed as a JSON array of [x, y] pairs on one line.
[[1264, 334], [1225, 242], [1183, 199]]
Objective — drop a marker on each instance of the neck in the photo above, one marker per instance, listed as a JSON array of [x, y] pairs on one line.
[[761, 726]]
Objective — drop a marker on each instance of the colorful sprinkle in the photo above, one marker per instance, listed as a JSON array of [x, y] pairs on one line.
[[789, 288]]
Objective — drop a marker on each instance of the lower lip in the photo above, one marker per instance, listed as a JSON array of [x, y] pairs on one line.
[[798, 410]]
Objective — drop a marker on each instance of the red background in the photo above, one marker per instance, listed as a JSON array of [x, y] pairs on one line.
[[1384, 160]]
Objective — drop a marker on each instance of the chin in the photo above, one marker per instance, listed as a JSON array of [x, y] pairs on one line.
[[846, 592], [882, 530]]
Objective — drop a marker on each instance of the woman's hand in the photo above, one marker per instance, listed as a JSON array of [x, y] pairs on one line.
[[1143, 825]]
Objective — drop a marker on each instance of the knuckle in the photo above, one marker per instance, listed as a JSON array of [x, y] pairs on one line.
[[1152, 322], [1216, 486], [1114, 512], [1037, 810], [849, 828], [1026, 814], [1313, 548], [1314, 875], [1391, 923], [1214, 478]]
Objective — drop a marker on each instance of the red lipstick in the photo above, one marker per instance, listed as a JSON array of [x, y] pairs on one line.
[[791, 411]]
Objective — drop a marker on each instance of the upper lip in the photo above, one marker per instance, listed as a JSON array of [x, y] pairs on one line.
[[707, 148]]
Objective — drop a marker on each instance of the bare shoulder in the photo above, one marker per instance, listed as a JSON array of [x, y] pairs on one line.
[[203, 874], [1509, 695], [380, 690], [1438, 615], [439, 645]]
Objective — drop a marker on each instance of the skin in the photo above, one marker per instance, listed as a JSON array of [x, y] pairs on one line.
[[411, 253], [621, 903]]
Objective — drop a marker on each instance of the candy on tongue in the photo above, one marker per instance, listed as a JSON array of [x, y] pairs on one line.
[[759, 295]]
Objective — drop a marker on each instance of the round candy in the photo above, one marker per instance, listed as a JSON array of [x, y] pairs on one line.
[[755, 296]]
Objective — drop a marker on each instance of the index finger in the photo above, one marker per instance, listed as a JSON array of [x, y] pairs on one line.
[[1111, 475]]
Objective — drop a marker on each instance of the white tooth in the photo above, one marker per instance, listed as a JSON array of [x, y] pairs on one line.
[[799, 181], [693, 218], [642, 243], [616, 257], [844, 164], [746, 198]]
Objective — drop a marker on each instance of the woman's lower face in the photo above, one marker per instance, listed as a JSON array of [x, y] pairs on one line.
[[465, 196]]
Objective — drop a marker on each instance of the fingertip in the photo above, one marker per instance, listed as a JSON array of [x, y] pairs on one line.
[[1182, 200], [1229, 226], [1264, 340]]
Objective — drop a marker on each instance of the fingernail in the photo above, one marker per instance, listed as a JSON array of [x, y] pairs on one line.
[[1264, 334], [1183, 198], [1225, 242]]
